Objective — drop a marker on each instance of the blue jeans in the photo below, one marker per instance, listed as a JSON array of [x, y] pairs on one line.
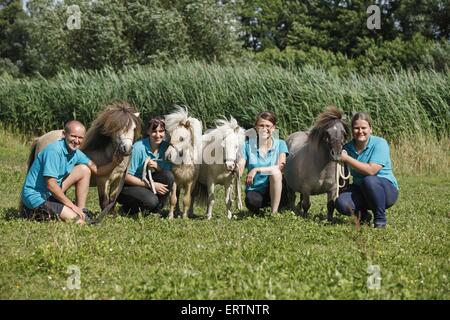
[[374, 193]]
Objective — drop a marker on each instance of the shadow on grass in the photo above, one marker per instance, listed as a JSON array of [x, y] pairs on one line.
[[11, 214], [320, 218]]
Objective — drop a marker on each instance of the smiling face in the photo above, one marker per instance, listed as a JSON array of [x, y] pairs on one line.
[[361, 131], [264, 128], [156, 135], [74, 134]]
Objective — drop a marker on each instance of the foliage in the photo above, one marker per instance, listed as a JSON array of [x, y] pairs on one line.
[[328, 34], [400, 103]]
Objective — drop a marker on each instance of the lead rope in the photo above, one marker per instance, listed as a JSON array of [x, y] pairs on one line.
[[237, 177], [340, 173]]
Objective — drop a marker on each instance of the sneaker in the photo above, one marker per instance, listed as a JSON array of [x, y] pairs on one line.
[[380, 226]]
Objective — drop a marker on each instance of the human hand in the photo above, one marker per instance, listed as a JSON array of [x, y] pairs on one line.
[[250, 176], [152, 164], [344, 156], [161, 188], [79, 212]]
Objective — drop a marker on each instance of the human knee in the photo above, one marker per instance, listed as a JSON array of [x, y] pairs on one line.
[[168, 178], [275, 174], [83, 170], [343, 205]]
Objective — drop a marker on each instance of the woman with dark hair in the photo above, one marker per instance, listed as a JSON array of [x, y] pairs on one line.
[[264, 156], [137, 194], [374, 185]]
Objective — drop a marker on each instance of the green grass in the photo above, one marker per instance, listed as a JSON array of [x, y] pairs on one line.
[[252, 257]]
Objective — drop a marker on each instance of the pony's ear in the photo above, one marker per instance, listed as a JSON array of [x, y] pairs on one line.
[[136, 114], [187, 124]]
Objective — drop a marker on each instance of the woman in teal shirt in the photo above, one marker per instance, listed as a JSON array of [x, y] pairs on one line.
[[264, 156], [374, 185], [136, 194]]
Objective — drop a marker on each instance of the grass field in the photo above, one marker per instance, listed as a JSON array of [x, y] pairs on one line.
[[250, 257]]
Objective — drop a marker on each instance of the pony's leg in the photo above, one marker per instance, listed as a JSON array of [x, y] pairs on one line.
[[173, 200], [229, 197], [291, 198], [306, 204], [177, 204], [103, 191], [330, 204], [211, 199], [187, 199]]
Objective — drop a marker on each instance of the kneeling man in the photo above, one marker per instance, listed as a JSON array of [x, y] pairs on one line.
[[58, 167]]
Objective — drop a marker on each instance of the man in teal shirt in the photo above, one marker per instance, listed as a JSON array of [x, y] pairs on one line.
[[56, 168]]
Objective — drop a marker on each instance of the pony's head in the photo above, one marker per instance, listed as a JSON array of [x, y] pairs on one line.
[[185, 138], [120, 124], [232, 139], [331, 130]]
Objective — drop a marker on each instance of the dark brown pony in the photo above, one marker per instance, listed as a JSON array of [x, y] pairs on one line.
[[113, 131]]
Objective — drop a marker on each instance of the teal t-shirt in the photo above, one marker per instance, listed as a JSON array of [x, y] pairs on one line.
[[254, 159], [141, 151], [55, 161], [376, 151]]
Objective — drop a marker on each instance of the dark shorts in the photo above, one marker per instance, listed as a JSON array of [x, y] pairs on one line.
[[49, 210]]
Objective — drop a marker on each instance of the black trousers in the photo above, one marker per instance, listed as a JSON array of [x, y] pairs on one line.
[[134, 198], [255, 200]]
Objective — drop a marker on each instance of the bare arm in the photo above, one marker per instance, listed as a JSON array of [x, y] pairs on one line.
[[134, 181], [369, 169], [281, 164]]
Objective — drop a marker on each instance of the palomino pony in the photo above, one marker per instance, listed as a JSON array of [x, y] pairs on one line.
[[185, 153], [311, 166], [113, 131], [221, 152]]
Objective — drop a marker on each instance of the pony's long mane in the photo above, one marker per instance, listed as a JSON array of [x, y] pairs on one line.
[[325, 120], [116, 117], [226, 127]]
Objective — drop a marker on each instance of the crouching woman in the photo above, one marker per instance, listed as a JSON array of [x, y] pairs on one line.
[[137, 193]]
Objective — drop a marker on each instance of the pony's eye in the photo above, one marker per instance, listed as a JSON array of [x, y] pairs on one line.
[[181, 139]]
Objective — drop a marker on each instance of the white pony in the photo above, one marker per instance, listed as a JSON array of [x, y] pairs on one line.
[[221, 152], [184, 152]]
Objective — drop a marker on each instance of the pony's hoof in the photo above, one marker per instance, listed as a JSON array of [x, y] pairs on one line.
[[170, 216]]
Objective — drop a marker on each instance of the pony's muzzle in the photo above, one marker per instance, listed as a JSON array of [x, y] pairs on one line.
[[335, 156], [125, 149], [230, 165]]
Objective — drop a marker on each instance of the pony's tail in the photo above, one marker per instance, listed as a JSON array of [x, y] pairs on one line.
[[31, 155], [200, 194], [29, 163]]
